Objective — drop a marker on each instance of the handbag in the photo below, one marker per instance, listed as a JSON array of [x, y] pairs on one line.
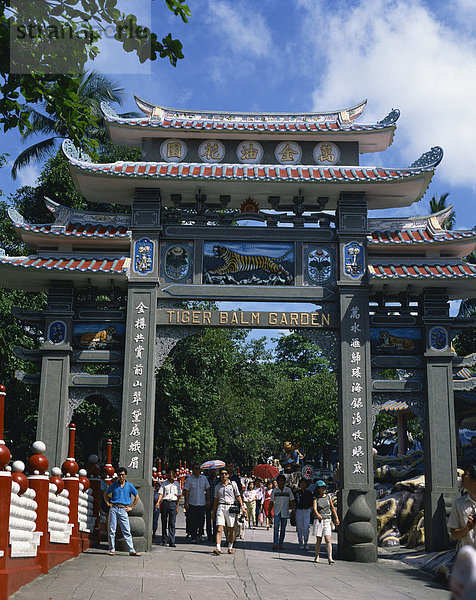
[[261, 518], [292, 520]]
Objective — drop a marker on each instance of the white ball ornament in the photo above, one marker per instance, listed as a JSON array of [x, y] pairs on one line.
[[38, 447]]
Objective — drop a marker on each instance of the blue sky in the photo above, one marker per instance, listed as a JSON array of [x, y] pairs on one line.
[[306, 55]]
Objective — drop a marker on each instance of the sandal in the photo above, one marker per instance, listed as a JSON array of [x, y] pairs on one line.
[[134, 553], [231, 551], [216, 552]]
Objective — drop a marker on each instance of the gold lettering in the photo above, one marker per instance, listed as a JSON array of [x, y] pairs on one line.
[[287, 153], [284, 320], [242, 321], [315, 319], [196, 317], [326, 153], [326, 319], [272, 318], [293, 319], [171, 314], [207, 317], [223, 318], [234, 318], [211, 152], [174, 150], [185, 316], [304, 318], [249, 153], [255, 318]]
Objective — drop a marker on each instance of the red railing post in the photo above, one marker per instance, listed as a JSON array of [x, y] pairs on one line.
[[5, 494], [40, 482], [70, 470]]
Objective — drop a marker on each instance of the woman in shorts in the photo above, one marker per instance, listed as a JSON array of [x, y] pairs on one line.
[[227, 496], [324, 512]]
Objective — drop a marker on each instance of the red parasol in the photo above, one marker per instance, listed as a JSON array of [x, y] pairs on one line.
[[266, 471]]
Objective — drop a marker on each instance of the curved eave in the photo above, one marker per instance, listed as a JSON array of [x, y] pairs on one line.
[[371, 138], [402, 223], [456, 247], [58, 239], [22, 274], [457, 277], [384, 188]]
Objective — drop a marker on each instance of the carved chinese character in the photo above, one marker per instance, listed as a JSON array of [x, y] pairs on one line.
[[356, 418], [174, 150], [287, 153], [354, 312], [356, 387], [134, 464], [135, 447], [138, 369], [357, 403], [359, 468], [139, 338], [355, 358], [141, 308], [140, 323], [137, 383], [357, 451], [355, 343], [136, 397], [326, 153], [135, 431], [138, 350], [211, 151], [355, 328], [136, 414], [356, 372], [249, 153], [357, 435]]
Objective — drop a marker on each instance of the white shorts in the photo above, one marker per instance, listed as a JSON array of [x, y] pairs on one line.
[[223, 516], [322, 528]]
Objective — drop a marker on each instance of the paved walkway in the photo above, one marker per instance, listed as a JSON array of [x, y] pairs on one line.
[[254, 572]]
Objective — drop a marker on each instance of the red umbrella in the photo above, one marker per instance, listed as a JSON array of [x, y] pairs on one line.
[[266, 471]]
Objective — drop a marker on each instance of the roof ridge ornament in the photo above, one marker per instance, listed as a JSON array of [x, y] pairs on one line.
[[108, 111], [15, 216], [73, 153], [391, 118], [429, 160]]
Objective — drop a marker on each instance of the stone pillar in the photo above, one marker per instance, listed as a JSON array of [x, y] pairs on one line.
[[138, 403], [357, 505], [440, 439], [55, 367]]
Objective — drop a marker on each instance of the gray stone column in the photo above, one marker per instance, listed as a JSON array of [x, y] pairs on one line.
[[138, 403], [52, 426], [440, 439], [357, 507]]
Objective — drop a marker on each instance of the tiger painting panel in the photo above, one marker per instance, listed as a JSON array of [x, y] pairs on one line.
[[395, 340], [98, 336], [248, 263]]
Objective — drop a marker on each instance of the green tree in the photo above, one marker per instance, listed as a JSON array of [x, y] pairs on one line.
[[298, 358], [33, 71], [439, 204]]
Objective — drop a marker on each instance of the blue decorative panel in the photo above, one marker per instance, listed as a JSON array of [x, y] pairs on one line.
[[56, 332], [143, 256], [318, 264], [176, 262], [248, 263], [98, 336], [395, 340], [438, 338], [354, 260]]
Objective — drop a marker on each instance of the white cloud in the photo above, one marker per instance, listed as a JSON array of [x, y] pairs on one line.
[[240, 27], [29, 175], [397, 54]]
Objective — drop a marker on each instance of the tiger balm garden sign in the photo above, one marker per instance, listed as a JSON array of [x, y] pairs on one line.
[[245, 318]]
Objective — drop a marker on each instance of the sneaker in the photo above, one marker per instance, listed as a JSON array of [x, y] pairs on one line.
[[216, 552], [301, 547]]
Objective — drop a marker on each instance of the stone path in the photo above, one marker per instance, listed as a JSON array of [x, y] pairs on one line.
[[254, 572]]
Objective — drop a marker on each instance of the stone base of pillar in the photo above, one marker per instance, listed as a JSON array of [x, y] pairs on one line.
[[357, 532], [437, 508]]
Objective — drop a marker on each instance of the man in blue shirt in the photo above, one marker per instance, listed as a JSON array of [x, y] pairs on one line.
[[118, 497]]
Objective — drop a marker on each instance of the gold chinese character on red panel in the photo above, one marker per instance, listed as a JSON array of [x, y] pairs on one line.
[[173, 150], [249, 152], [211, 151], [288, 153]]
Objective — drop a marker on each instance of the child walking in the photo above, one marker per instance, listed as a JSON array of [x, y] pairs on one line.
[[250, 500], [324, 511]]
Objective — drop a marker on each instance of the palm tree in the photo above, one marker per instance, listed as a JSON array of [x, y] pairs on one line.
[[94, 88], [439, 204]]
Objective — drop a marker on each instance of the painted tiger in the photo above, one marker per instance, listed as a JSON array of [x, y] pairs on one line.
[[233, 262], [396, 343]]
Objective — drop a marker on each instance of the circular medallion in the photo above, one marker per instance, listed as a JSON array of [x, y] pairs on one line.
[[211, 151], [326, 153], [173, 150], [288, 153], [438, 338], [249, 152], [177, 262]]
